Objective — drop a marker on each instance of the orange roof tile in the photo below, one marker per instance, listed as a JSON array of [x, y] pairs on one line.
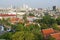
[[3, 15], [47, 31], [14, 19], [56, 36]]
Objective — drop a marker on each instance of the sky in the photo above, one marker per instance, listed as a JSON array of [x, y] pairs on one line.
[[30, 3]]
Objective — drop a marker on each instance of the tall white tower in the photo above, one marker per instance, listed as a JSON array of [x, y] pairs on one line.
[[25, 6]]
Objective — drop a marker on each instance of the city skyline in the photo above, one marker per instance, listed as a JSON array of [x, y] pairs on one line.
[[30, 3]]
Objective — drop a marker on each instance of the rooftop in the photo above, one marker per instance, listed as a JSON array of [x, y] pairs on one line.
[[3, 15], [47, 31], [56, 36]]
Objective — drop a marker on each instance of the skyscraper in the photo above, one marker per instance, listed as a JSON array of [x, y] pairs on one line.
[[54, 8]]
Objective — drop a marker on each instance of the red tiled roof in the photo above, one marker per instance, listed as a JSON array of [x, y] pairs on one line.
[[7, 15], [56, 36], [48, 31], [14, 19]]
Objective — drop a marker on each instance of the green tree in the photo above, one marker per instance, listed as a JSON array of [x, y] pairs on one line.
[[30, 14], [25, 18], [23, 35], [48, 20], [6, 36], [19, 27], [35, 29], [55, 26], [18, 36], [38, 35], [58, 20], [44, 26], [51, 38], [29, 36]]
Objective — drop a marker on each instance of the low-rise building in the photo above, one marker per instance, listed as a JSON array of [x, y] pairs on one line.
[[7, 16], [1, 28], [47, 32], [56, 36]]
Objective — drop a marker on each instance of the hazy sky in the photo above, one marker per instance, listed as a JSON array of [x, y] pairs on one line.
[[31, 3]]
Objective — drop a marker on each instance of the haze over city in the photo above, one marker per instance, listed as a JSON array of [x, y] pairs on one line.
[[29, 19], [31, 3]]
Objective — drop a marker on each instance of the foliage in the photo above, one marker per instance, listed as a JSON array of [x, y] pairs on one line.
[[58, 20], [32, 32], [26, 35], [20, 27], [18, 36], [48, 20], [23, 35], [6, 36], [29, 36], [54, 26], [31, 14], [44, 26], [51, 38]]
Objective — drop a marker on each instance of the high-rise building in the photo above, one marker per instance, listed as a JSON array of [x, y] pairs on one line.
[[54, 8]]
